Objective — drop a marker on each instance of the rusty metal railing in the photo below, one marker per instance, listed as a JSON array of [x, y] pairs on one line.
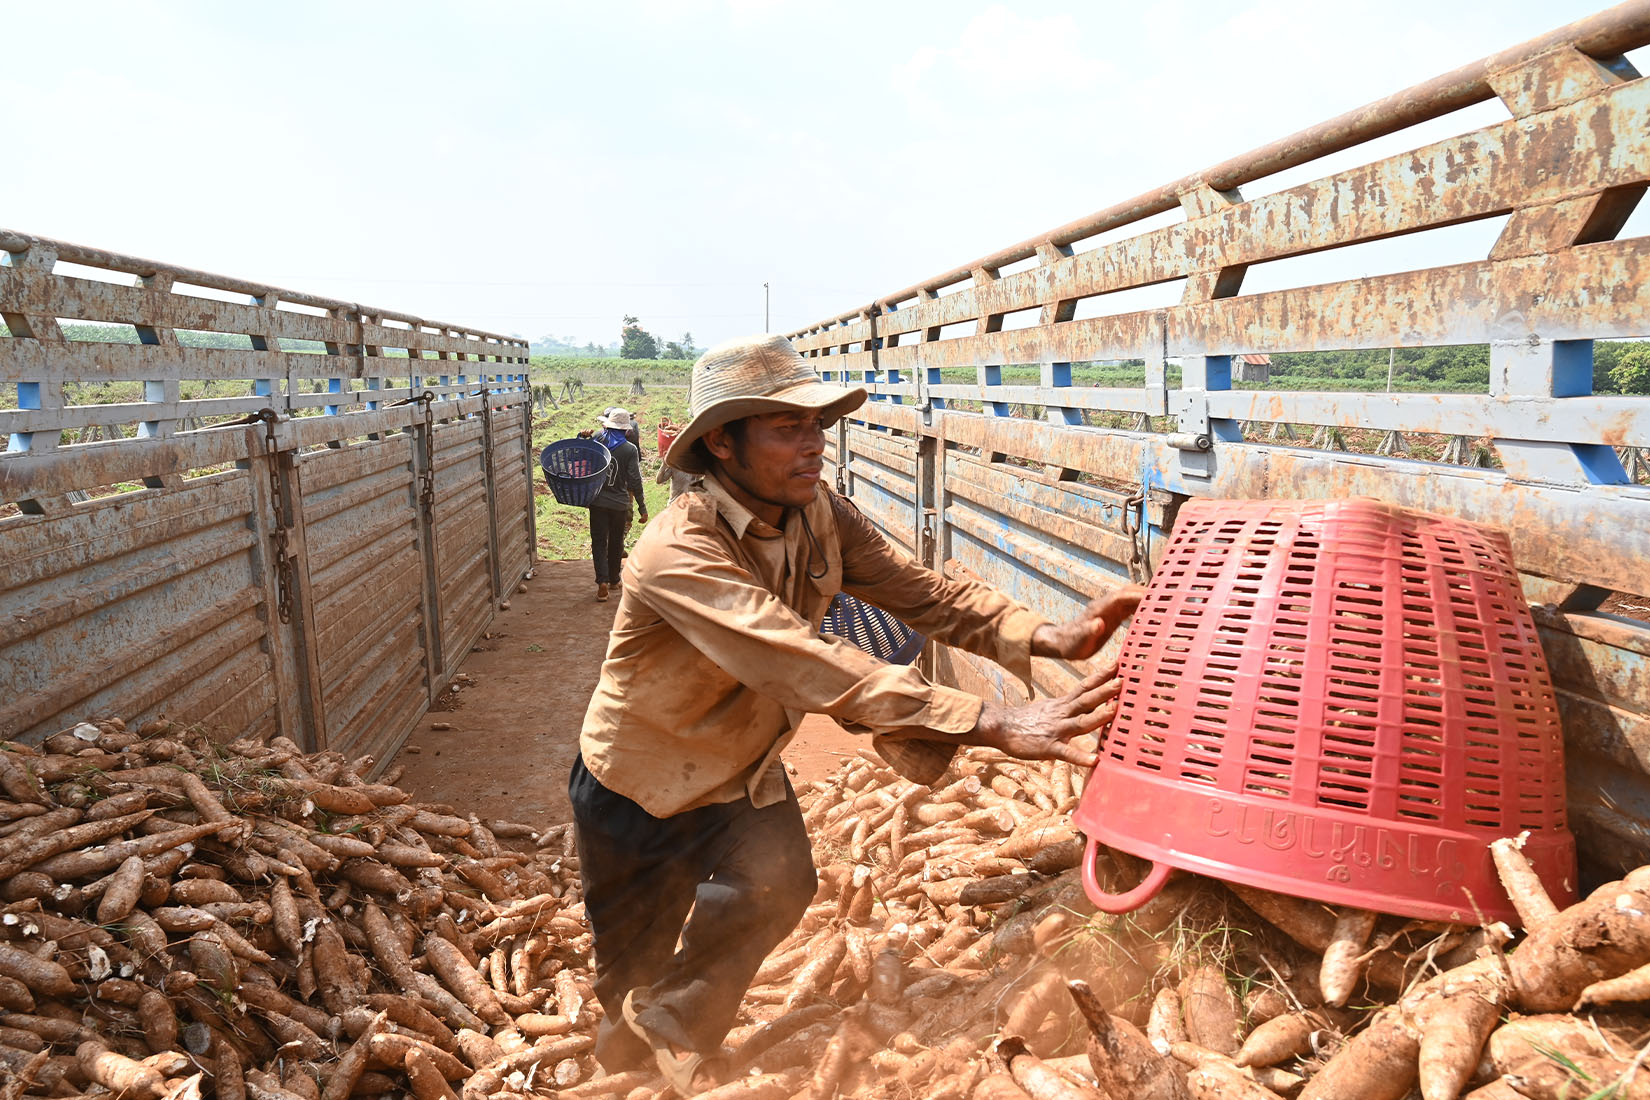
[[1054, 490], [255, 508]]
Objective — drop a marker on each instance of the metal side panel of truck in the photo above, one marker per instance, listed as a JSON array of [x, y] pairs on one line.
[[984, 451]]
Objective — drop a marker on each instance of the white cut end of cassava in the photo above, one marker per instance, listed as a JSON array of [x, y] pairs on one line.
[[1518, 877], [85, 731]]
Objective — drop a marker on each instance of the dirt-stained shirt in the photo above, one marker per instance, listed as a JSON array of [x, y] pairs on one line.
[[716, 653]]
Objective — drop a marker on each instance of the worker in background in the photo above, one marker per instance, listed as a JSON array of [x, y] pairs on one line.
[[610, 510], [680, 800], [632, 433], [678, 480]]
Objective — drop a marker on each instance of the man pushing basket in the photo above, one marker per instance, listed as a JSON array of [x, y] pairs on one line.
[[679, 796]]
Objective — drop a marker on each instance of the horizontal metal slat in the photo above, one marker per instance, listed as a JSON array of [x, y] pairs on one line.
[[1513, 164], [235, 697], [27, 475], [1078, 554], [355, 671], [60, 600], [157, 663], [23, 290], [94, 533], [1612, 420], [1035, 573], [385, 589]]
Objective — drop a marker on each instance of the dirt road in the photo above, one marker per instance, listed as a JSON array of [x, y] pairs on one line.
[[503, 743]]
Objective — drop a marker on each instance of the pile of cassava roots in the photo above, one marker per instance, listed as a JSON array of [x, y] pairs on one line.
[[182, 918]]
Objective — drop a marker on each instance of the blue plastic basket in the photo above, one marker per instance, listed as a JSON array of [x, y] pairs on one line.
[[872, 629], [576, 469]]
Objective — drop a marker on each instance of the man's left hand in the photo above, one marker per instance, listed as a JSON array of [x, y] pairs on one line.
[[1083, 636], [1049, 729]]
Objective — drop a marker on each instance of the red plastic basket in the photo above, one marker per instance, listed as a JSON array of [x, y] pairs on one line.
[[1338, 700]]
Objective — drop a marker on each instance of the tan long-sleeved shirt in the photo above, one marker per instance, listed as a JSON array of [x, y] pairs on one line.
[[716, 655]]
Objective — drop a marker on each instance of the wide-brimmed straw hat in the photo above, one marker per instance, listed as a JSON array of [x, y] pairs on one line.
[[751, 375], [616, 418]]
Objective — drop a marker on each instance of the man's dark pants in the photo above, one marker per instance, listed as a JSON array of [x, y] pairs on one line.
[[607, 527], [746, 874]]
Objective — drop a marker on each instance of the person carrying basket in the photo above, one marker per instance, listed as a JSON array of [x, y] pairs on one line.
[[610, 510], [687, 828]]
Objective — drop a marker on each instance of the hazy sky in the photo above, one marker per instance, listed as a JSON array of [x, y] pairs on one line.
[[546, 168]]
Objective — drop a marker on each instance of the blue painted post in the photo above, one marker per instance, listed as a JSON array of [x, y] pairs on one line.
[[156, 392], [28, 397], [1201, 374], [1551, 368], [990, 377], [1058, 376]]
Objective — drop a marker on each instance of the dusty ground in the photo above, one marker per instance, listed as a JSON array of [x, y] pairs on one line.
[[513, 725]]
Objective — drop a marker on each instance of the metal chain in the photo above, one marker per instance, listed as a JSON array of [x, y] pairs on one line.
[[426, 488], [875, 342], [842, 456], [873, 345], [486, 426], [1134, 525], [283, 563]]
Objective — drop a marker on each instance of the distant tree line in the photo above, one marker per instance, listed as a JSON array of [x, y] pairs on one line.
[[635, 342], [570, 346]]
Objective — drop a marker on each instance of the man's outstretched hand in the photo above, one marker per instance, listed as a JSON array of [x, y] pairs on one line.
[[1083, 636], [1046, 729]]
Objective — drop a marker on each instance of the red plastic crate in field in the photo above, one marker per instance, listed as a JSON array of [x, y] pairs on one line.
[[1339, 700]]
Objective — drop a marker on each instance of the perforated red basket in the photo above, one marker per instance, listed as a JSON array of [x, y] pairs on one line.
[[1338, 700]]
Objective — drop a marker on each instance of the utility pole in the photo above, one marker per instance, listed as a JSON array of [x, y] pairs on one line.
[[1389, 354], [765, 325]]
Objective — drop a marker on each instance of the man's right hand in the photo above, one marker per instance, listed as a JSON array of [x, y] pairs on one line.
[[1083, 636], [1047, 729]]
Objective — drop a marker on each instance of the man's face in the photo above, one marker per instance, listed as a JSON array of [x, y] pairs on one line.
[[775, 465]]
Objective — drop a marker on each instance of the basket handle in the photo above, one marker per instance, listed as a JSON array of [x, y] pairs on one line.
[[1126, 902]]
